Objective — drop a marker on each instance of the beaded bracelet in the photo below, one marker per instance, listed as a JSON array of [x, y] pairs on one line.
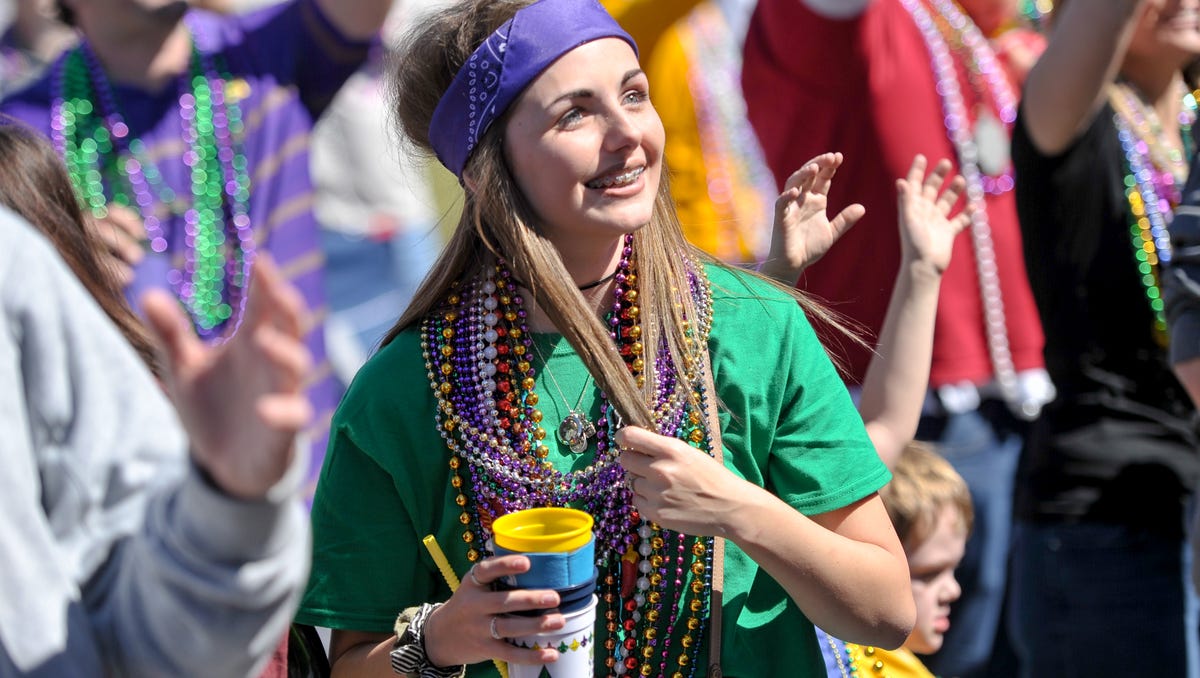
[[408, 652]]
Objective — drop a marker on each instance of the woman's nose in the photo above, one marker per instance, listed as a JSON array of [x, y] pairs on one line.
[[622, 131]]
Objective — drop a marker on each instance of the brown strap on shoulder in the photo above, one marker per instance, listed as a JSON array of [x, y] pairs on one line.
[[718, 566]]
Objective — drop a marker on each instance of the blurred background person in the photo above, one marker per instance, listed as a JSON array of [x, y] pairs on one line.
[[930, 507], [376, 207], [33, 38], [692, 53], [1101, 150], [132, 549], [186, 136], [883, 81]]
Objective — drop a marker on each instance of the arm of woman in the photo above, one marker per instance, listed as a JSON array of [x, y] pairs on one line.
[[845, 568], [359, 654], [894, 387], [469, 628], [1066, 88]]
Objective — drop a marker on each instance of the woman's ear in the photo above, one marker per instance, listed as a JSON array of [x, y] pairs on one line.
[[469, 183]]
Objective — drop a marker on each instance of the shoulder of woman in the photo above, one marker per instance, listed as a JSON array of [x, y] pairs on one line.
[[741, 291], [394, 372]]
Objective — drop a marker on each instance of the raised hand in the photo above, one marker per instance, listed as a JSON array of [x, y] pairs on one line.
[[677, 486], [927, 231], [803, 232], [241, 402]]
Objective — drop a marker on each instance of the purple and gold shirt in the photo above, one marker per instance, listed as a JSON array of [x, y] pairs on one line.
[[285, 64]]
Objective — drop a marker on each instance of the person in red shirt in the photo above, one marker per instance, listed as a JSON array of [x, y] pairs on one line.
[[882, 81]]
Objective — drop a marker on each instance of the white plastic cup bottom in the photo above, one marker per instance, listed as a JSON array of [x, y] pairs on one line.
[[575, 643]]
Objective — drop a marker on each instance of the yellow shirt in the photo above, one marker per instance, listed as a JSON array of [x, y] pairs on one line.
[[876, 663], [724, 192]]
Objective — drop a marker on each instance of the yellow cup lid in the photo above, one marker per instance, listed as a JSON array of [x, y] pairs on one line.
[[542, 530]]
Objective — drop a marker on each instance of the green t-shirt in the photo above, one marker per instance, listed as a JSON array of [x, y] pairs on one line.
[[787, 424]]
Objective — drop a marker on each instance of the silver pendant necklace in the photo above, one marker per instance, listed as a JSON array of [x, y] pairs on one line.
[[575, 428]]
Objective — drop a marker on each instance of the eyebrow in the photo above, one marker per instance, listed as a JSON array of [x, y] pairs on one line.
[[587, 93]]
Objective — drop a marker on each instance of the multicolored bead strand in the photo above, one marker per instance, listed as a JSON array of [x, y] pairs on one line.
[[738, 179], [477, 350], [960, 34], [106, 166], [1153, 187], [957, 126], [1037, 12]]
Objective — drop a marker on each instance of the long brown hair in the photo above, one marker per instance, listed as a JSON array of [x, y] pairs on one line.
[[497, 221], [35, 185]]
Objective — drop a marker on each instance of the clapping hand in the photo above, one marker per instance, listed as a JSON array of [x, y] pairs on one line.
[[803, 232], [242, 402], [927, 231]]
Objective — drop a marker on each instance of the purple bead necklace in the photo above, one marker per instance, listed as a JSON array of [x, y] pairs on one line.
[[478, 353], [107, 165]]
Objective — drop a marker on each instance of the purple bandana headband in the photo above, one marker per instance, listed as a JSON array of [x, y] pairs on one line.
[[504, 65]]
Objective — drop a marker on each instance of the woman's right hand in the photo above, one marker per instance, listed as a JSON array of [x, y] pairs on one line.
[[472, 627]]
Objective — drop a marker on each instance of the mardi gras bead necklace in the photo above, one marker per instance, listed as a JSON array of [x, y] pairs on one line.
[[1155, 174], [107, 166], [863, 661], [478, 353], [737, 177], [990, 131], [957, 125], [1036, 12]]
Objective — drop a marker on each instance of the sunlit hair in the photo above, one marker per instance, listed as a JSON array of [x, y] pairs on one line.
[[35, 185], [497, 221], [923, 483]]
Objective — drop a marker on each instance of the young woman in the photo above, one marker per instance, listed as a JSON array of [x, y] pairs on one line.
[[570, 348], [34, 184], [1101, 149]]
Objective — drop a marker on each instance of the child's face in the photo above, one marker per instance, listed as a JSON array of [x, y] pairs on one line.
[[931, 565]]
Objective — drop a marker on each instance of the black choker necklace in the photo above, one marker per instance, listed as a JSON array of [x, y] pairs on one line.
[[610, 276]]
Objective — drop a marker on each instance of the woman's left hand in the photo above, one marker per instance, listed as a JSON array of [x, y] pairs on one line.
[[677, 486]]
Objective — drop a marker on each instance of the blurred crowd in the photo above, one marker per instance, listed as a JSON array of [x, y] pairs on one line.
[[1058, 377]]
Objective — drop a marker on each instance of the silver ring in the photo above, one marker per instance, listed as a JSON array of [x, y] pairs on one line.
[[471, 574], [495, 634]]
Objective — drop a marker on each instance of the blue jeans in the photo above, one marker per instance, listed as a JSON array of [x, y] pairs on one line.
[[984, 446], [1093, 599], [369, 284]]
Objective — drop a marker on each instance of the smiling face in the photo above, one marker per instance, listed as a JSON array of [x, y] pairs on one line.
[[931, 565], [1168, 30], [585, 146]]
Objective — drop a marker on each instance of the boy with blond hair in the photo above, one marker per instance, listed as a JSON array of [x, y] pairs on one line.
[[930, 507]]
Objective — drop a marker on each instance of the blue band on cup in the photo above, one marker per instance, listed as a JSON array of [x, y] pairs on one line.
[[569, 599], [559, 570]]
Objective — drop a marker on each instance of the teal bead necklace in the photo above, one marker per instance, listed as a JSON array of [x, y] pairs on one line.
[[107, 166]]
